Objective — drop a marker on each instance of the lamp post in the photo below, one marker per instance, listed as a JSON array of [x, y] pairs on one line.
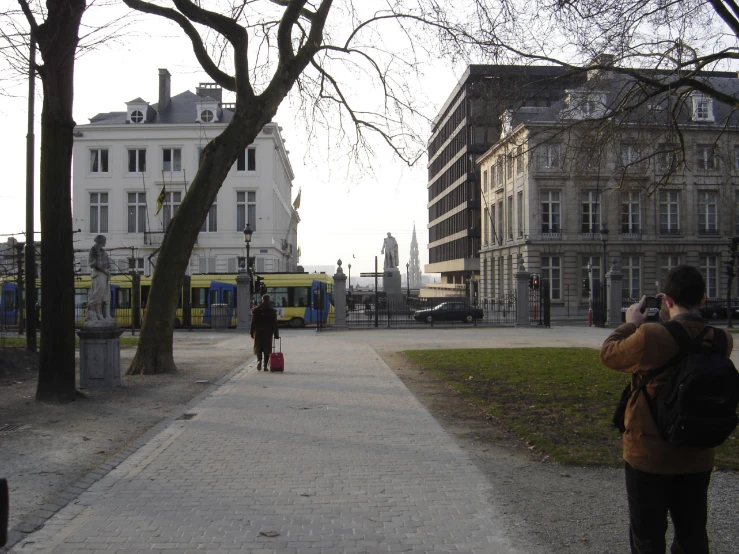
[[603, 239], [248, 232], [407, 281], [350, 277]]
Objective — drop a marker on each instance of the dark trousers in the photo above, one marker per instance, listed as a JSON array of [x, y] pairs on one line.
[[652, 496]]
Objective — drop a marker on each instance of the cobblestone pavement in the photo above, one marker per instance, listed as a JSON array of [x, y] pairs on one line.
[[335, 455]]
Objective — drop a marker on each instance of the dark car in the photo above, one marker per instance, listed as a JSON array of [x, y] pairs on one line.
[[449, 311], [717, 310]]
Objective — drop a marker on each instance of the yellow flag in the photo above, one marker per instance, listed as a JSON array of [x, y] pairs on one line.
[[296, 204], [160, 199]]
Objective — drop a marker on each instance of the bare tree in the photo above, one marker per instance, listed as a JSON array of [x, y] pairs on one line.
[[56, 27], [272, 46]]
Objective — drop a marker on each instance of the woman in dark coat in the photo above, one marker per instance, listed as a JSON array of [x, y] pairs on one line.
[[263, 328]]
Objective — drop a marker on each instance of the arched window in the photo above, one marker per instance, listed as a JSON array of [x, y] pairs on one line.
[[137, 116], [206, 116]]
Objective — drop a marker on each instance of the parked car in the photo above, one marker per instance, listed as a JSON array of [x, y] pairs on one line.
[[714, 310], [449, 311]]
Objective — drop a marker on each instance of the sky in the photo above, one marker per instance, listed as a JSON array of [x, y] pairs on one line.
[[345, 212]]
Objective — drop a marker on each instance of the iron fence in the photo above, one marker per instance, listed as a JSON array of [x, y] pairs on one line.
[[539, 303], [377, 311]]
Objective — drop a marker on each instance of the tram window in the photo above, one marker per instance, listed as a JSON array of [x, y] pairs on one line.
[[144, 295], [301, 297], [198, 297], [278, 295], [227, 297], [213, 297], [123, 299], [9, 300]]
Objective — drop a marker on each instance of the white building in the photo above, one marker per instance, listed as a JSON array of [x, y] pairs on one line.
[[123, 160]]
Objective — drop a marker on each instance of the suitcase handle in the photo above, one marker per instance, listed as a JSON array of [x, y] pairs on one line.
[[274, 344]]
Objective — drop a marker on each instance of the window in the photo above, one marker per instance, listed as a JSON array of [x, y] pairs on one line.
[[485, 215], [709, 268], [669, 213], [499, 171], [210, 225], [551, 270], [632, 277], [519, 160], [172, 159], [668, 262], [485, 180], [702, 108], [246, 210], [136, 160], [169, 207], [98, 212], [706, 158], [630, 208], [247, 160], [669, 157], [589, 108], [206, 116], [550, 214], [99, 160], [509, 166], [500, 227], [590, 222], [137, 266], [494, 238], [136, 212], [630, 155], [594, 262], [519, 209], [137, 116], [736, 157], [707, 213], [549, 156], [510, 218]]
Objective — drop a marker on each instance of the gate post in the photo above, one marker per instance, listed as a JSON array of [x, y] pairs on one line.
[[339, 298], [614, 279], [243, 300], [522, 296]]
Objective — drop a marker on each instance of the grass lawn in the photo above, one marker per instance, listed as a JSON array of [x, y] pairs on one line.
[[559, 399], [20, 342]]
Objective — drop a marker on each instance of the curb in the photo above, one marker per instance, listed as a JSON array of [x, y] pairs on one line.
[[36, 519]]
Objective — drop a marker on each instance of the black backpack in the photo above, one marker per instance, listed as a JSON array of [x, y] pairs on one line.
[[697, 404]]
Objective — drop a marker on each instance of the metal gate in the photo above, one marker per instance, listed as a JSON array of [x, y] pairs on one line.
[[539, 302], [600, 307]]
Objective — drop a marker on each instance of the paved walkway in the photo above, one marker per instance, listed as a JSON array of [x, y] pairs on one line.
[[333, 456]]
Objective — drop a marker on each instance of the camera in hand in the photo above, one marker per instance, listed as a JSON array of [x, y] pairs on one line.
[[653, 302]]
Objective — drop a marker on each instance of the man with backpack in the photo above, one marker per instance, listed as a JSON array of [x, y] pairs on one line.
[[677, 408]]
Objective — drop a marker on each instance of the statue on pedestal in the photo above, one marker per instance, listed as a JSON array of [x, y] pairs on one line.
[[390, 249], [98, 305]]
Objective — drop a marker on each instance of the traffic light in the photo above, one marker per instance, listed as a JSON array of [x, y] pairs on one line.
[[586, 285], [259, 285], [531, 281], [535, 280]]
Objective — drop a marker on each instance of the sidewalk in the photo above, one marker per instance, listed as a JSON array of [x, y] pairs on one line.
[[336, 455]]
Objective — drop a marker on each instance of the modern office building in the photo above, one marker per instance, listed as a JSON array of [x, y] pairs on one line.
[[126, 161], [466, 126]]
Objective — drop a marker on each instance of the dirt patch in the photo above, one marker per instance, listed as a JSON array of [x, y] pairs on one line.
[[549, 507], [48, 447]]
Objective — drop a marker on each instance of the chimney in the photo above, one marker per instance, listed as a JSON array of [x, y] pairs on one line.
[[210, 89], [163, 90]]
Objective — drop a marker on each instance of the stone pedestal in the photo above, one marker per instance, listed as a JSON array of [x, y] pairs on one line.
[[100, 357], [339, 298], [391, 284], [243, 301]]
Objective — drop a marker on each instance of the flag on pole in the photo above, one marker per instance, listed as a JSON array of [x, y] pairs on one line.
[[160, 199], [296, 204]]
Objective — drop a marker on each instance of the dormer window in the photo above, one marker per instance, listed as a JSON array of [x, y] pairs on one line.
[[208, 110], [206, 116], [702, 107], [137, 111], [588, 108]]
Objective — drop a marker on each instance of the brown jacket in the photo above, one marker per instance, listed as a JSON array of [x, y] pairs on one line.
[[636, 351], [263, 327]]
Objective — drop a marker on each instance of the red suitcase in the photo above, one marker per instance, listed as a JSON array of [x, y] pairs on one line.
[[276, 359]]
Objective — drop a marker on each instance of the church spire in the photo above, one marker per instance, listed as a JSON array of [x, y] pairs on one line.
[[415, 267]]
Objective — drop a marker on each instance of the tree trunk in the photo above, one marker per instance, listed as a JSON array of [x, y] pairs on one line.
[[57, 39], [154, 353]]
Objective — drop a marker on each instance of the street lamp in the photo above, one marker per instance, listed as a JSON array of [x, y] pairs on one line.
[[603, 239], [350, 277], [248, 232], [407, 281]]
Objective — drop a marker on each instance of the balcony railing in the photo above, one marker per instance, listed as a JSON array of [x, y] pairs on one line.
[[670, 231], [634, 235], [551, 236], [707, 232]]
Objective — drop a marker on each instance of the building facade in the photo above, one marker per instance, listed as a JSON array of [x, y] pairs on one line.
[[466, 126], [662, 178], [132, 169]]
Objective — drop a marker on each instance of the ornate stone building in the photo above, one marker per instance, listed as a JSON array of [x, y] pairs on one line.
[[661, 175]]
